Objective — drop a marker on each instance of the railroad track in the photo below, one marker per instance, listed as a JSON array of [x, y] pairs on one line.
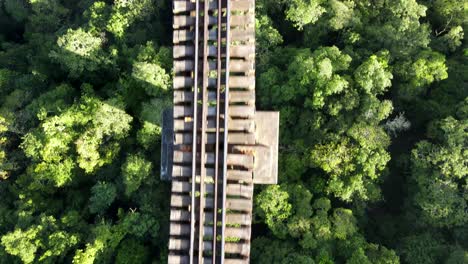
[[215, 144]]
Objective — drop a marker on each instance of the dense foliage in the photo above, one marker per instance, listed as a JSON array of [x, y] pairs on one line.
[[373, 162]]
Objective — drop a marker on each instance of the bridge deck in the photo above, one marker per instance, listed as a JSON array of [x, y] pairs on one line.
[[212, 181]]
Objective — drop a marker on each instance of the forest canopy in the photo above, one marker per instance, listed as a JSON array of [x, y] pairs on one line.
[[373, 100]]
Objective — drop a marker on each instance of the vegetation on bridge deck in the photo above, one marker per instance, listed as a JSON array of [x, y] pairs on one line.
[[373, 159]]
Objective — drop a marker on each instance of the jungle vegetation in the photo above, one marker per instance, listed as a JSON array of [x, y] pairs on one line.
[[373, 96]]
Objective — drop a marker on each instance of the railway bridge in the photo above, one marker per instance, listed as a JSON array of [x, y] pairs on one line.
[[216, 146]]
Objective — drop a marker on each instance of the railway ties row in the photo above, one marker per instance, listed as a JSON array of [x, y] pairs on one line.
[[212, 182]]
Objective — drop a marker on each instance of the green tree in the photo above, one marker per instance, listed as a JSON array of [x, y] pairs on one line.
[[450, 41], [44, 241], [440, 172], [266, 250], [103, 195], [17, 9], [428, 67], [373, 75], [5, 166], [68, 96], [124, 13], [303, 12], [134, 171], [46, 16], [266, 37], [80, 51], [21, 244], [131, 252], [423, 248], [97, 15], [82, 127], [457, 256], [401, 30], [274, 208], [366, 147], [104, 238], [153, 75]]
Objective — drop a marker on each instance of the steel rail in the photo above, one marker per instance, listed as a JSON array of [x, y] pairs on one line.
[[226, 117], [204, 117], [218, 104], [195, 125]]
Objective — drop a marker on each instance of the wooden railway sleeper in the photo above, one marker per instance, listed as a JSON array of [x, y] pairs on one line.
[[246, 97], [236, 35], [233, 138], [177, 229], [183, 21], [236, 125], [236, 51], [180, 6], [182, 111], [245, 82], [236, 66], [240, 160]]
